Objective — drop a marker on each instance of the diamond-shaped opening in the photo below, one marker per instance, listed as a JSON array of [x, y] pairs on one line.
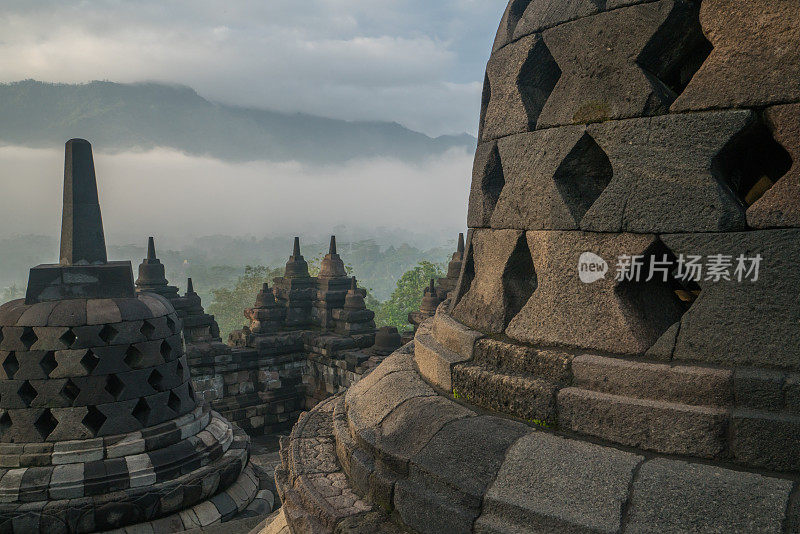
[[173, 327], [583, 176], [675, 53], [467, 275], [133, 357], [48, 363], [752, 163], [190, 391], [491, 184], [114, 386], [141, 411], [70, 391], [179, 369], [94, 420], [166, 351], [1, 335], [68, 338], [45, 424], [28, 338], [657, 303], [147, 329], [5, 423], [536, 80], [89, 361], [486, 97], [27, 393], [11, 365], [107, 334], [174, 402], [519, 279], [156, 380]]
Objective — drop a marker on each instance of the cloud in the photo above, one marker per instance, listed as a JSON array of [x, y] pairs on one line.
[[169, 194], [416, 62]]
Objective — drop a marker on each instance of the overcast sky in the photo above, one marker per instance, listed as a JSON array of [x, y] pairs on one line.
[[416, 62]]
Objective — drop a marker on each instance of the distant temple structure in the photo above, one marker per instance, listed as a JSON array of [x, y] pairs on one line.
[[100, 426]]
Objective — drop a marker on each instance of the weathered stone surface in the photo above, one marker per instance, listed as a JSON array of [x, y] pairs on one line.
[[652, 425], [780, 205], [410, 426], [548, 483], [490, 301], [488, 181], [550, 364], [435, 362], [552, 177], [681, 384], [720, 326], [542, 14], [663, 162], [755, 61], [532, 399], [616, 64], [519, 78], [675, 496], [449, 476], [606, 315], [766, 440], [454, 336]]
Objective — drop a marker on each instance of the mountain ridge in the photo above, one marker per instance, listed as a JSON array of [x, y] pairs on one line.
[[146, 115]]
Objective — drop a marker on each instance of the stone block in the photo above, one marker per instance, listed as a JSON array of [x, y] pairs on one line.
[[528, 398], [616, 64], [102, 312], [551, 179], [520, 78], [759, 389], [448, 477], [674, 496], [410, 426], [755, 61], [791, 390], [487, 302], [548, 483], [680, 384], [721, 325], [488, 181], [780, 205], [435, 362], [651, 425], [607, 315], [543, 14], [675, 163], [766, 440], [550, 364], [68, 313], [36, 314]]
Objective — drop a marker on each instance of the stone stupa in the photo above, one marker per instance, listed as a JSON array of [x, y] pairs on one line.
[[99, 425], [557, 390]]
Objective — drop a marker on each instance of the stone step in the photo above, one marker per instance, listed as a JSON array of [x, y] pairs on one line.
[[435, 362], [532, 399], [766, 440], [510, 358], [453, 335], [659, 426], [683, 384]]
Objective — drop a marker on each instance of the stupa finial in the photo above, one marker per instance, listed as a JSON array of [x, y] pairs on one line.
[[82, 237]]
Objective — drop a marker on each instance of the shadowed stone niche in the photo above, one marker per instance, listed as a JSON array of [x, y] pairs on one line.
[[583, 375]]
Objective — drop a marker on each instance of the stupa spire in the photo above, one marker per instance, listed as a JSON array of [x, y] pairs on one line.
[[82, 237], [151, 249], [332, 249]]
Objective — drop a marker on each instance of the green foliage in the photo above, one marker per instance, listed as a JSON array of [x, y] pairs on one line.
[[407, 296], [229, 303]]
